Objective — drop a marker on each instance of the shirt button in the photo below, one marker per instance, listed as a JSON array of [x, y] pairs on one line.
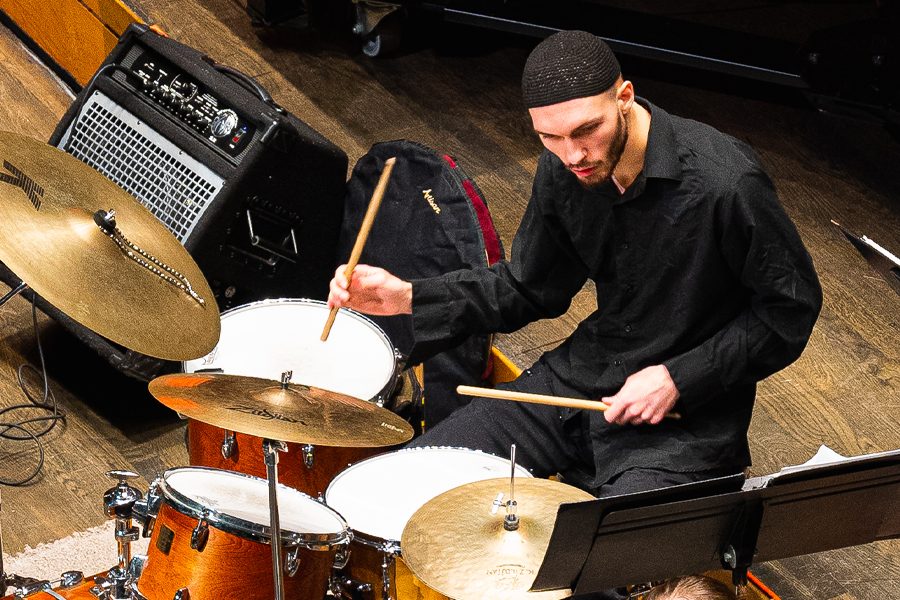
[[618, 363], [625, 246], [628, 328]]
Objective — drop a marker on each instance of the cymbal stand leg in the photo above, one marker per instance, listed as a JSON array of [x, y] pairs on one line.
[[13, 293], [271, 448]]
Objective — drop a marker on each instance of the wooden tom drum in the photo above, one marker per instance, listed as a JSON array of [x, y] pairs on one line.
[[378, 496], [264, 339], [231, 511]]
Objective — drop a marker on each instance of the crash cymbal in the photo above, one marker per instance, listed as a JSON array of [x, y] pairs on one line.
[[49, 239], [455, 546], [298, 413]]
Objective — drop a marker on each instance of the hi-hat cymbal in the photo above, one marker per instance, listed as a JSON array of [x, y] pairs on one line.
[[298, 413], [49, 239], [455, 546]]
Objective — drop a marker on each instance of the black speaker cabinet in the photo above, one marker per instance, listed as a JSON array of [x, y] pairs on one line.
[[253, 193]]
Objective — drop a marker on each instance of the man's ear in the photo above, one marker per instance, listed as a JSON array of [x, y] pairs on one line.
[[625, 96]]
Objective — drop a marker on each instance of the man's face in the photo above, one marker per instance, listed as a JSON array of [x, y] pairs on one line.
[[587, 134]]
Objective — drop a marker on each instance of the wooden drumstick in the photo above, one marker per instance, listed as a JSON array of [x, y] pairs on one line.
[[371, 211], [467, 390]]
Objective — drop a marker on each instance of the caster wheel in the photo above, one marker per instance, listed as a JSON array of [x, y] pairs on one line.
[[384, 39]]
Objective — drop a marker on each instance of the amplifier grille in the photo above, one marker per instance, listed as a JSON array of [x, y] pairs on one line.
[[175, 187]]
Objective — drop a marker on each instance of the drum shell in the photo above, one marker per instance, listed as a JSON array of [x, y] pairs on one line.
[[80, 592], [258, 341], [228, 567], [377, 497], [371, 562], [205, 449]]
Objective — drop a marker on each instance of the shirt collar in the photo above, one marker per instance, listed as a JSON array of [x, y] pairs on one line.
[[661, 155]]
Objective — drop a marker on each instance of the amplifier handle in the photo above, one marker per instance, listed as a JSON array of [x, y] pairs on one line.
[[273, 247], [245, 80]]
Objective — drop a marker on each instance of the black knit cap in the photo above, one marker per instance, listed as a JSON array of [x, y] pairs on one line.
[[568, 65]]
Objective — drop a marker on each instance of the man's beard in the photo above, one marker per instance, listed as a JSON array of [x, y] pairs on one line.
[[603, 169]]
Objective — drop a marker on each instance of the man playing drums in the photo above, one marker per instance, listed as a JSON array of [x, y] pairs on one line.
[[703, 287]]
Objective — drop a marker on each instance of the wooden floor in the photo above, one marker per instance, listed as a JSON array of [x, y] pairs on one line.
[[464, 100]]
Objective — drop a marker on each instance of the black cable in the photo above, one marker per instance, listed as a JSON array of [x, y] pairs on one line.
[[47, 402]]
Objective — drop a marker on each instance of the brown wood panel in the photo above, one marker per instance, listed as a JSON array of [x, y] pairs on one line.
[[113, 13], [76, 39], [31, 99]]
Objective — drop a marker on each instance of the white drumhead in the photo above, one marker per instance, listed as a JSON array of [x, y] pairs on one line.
[[377, 496], [266, 338], [247, 498]]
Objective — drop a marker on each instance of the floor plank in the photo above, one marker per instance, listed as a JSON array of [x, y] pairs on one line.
[[464, 100]]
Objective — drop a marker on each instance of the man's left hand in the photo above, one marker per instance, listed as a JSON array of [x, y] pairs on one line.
[[646, 397]]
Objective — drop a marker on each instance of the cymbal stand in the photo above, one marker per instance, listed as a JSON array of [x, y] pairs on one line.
[[511, 521], [13, 293], [271, 448], [119, 504]]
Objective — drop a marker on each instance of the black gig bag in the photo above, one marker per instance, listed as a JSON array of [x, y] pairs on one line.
[[433, 220]]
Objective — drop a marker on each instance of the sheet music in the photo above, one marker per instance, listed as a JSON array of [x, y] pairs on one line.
[[823, 456]]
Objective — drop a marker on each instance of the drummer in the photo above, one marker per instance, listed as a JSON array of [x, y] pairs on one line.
[[703, 288]]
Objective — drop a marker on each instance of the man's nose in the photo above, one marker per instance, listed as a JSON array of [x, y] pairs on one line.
[[575, 151]]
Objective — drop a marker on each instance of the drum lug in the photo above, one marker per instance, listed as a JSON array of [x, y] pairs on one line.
[[349, 589], [136, 566], [32, 588], [292, 563], [70, 579], [135, 594], [342, 555], [200, 535], [105, 588], [228, 445], [182, 594], [308, 456], [390, 550], [146, 509]]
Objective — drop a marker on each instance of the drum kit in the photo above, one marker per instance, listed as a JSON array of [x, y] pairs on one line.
[[259, 382]]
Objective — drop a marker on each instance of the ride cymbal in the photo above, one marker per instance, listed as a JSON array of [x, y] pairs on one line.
[[296, 413], [455, 546], [134, 283]]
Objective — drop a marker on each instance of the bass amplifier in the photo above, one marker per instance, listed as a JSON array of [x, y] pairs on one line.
[[254, 194]]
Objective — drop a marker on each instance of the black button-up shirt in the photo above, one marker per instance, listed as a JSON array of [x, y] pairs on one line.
[[697, 267]]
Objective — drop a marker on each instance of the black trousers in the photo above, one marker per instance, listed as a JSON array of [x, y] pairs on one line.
[[549, 440]]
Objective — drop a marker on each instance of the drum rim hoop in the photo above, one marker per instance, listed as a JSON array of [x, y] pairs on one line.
[[378, 542], [398, 359], [246, 529], [275, 301], [381, 456]]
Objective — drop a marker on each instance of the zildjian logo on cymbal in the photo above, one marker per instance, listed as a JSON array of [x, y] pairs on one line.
[[20, 179], [265, 414]]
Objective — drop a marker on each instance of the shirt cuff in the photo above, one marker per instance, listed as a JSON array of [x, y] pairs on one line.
[[695, 378]]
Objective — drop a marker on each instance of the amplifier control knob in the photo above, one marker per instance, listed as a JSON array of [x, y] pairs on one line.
[[223, 123]]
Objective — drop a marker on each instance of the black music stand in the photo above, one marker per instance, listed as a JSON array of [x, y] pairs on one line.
[[882, 261], [639, 538]]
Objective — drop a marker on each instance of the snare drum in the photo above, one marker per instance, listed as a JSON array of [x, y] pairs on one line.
[[266, 338], [378, 496], [80, 591], [230, 511]]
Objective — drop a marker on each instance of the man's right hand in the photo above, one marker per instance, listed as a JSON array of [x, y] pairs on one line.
[[373, 291]]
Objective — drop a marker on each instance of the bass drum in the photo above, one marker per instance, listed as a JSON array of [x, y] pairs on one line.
[[211, 535], [265, 339], [378, 496]]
